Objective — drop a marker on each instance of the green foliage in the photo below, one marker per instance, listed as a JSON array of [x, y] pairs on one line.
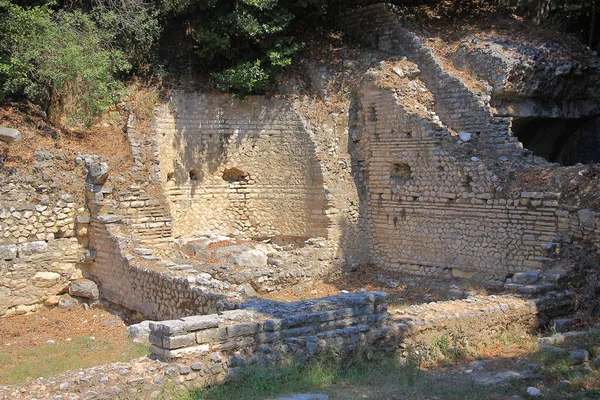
[[243, 79], [58, 59], [49, 360], [242, 43], [134, 27]]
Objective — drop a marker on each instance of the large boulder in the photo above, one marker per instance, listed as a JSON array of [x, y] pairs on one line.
[[84, 288], [9, 135], [249, 258]]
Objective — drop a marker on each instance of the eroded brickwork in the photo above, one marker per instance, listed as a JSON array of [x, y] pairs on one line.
[[432, 213]]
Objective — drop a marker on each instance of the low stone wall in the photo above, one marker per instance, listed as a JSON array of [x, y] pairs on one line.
[[157, 289], [210, 348], [270, 331], [476, 321]]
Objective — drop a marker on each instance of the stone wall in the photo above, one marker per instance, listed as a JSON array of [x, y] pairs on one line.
[[345, 325], [436, 204], [39, 251], [527, 79], [436, 214], [431, 213], [239, 167], [219, 345], [270, 331], [135, 277], [156, 288], [478, 320]]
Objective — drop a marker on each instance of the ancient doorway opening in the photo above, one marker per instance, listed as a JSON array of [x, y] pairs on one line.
[[566, 141]]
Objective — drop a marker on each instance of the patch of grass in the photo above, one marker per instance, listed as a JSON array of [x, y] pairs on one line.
[[52, 359], [390, 378], [556, 366], [256, 382], [448, 348]]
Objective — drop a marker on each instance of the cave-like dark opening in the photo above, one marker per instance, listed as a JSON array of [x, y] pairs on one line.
[[561, 140]]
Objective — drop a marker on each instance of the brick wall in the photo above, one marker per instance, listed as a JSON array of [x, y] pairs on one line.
[[239, 167], [433, 214]]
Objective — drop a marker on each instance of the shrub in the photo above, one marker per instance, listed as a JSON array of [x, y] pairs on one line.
[[241, 43], [60, 60]]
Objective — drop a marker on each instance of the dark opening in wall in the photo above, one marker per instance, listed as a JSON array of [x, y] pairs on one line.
[[560, 140], [372, 114], [234, 175], [194, 175], [401, 173]]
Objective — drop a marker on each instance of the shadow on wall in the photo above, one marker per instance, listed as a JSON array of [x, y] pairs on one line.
[[355, 239], [252, 161], [212, 134]]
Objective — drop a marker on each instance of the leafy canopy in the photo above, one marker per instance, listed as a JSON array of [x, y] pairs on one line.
[[59, 59]]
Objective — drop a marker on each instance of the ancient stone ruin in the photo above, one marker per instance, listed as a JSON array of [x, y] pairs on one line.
[[420, 172]]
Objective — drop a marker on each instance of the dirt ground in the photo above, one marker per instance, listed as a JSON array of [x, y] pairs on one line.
[[54, 340], [410, 289]]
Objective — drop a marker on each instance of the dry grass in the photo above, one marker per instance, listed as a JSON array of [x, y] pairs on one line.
[[81, 338]]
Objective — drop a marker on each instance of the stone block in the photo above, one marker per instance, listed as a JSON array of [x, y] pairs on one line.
[[97, 174], [155, 340], [167, 328], [82, 219], [237, 315], [185, 352], [243, 329], [587, 218], [109, 219], [210, 335], [200, 322], [224, 251], [179, 341], [8, 252], [234, 344], [577, 357], [9, 135], [29, 248], [46, 279], [526, 278], [139, 330], [249, 258], [142, 252], [84, 288]]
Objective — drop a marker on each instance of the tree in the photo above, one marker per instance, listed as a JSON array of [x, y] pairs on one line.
[[60, 60]]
